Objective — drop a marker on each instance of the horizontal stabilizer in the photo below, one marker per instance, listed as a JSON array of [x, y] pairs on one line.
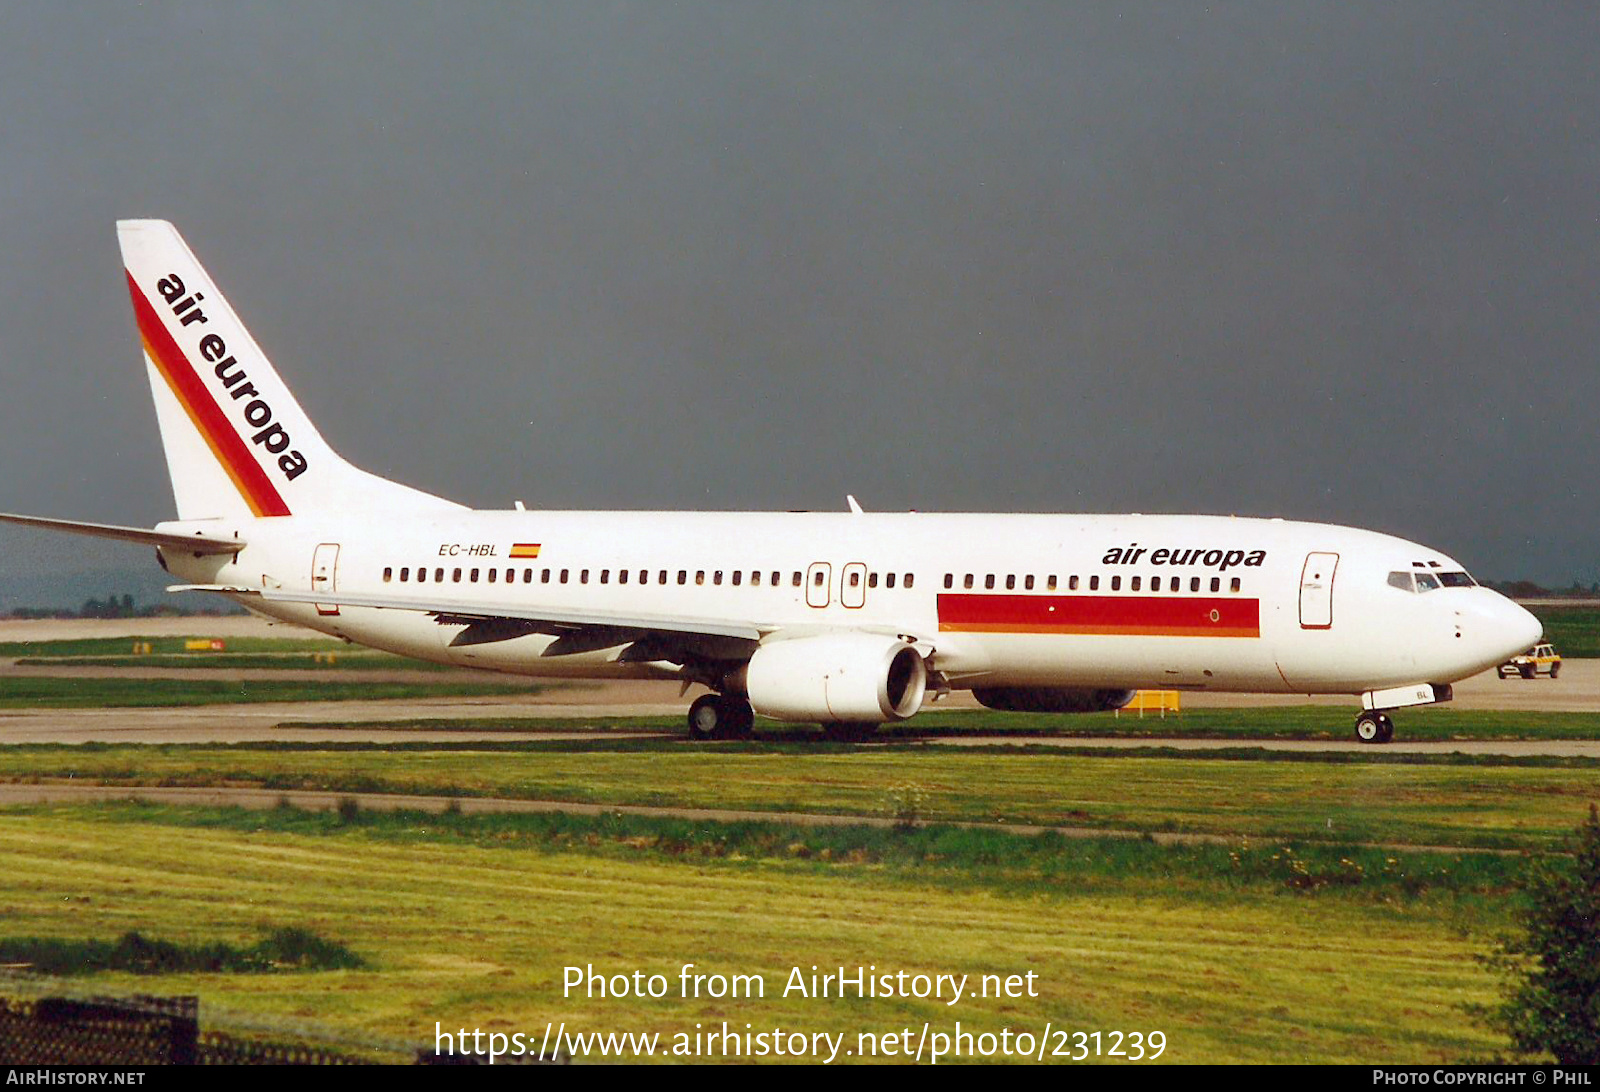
[[199, 543]]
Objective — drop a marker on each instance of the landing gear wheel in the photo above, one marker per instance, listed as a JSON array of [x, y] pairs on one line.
[[1374, 728], [718, 716]]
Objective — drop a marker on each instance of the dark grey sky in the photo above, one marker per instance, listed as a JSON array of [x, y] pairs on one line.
[[1325, 261]]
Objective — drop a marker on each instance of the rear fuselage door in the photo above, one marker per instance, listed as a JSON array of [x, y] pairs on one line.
[[325, 574], [1316, 591]]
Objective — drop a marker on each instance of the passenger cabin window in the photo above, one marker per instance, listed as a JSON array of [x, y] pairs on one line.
[[422, 575], [1194, 583], [911, 578], [474, 577], [1235, 586], [817, 580], [455, 576], [988, 582], [1116, 583], [716, 577], [1011, 583], [622, 576], [796, 580], [605, 576], [388, 575], [700, 576], [1072, 583], [888, 581], [1027, 583], [683, 576], [583, 577], [1133, 584], [492, 574], [949, 581], [1094, 583], [737, 577], [1216, 584], [967, 581]]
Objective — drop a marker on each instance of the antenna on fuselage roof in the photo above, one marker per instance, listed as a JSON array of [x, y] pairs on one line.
[[855, 506], [520, 506]]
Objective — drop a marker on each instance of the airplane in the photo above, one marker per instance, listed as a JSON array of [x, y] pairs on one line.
[[848, 619]]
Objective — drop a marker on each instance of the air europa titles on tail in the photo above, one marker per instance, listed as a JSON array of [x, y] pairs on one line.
[[846, 619], [256, 412]]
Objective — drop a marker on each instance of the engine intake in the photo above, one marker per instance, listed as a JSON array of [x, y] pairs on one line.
[[850, 678]]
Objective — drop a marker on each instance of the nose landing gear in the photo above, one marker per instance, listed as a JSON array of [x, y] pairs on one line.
[[1374, 727]]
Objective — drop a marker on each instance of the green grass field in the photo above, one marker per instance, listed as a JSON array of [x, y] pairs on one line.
[[1575, 631], [470, 924], [1505, 805], [50, 692]]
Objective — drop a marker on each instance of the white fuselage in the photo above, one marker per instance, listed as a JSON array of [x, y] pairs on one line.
[[1179, 602]]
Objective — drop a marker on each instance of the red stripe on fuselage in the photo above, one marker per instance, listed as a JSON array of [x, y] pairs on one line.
[[1108, 615], [197, 401]]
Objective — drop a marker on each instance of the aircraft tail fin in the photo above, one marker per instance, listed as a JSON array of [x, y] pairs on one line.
[[237, 442]]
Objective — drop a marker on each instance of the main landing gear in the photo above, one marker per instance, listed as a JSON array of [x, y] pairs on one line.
[[1374, 726], [720, 716]]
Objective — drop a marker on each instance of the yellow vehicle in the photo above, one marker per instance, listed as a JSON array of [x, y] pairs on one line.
[[1539, 658]]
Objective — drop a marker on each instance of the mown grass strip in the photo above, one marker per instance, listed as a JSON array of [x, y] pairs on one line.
[[48, 692], [1499, 806], [477, 935], [203, 661], [1306, 722], [122, 646]]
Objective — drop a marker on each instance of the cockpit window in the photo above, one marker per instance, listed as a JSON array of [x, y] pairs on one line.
[[1401, 581], [1427, 582], [1457, 580]]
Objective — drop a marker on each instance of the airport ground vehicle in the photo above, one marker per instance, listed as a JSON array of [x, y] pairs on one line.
[[1540, 659]]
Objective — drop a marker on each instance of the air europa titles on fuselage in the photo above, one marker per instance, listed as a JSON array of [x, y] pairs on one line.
[[257, 414], [1221, 560]]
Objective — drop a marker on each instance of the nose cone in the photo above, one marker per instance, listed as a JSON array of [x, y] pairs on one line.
[[1514, 628]]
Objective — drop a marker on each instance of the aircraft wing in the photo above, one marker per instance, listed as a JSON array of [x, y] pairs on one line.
[[487, 622], [200, 544]]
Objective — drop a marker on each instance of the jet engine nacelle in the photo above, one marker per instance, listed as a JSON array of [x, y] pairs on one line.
[[1051, 699], [850, 678]]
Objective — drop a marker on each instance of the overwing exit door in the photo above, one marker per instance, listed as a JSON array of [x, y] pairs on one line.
[[819, 580], [324, 574], [1316, 591]]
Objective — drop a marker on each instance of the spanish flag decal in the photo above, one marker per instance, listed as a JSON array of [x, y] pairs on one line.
[[525, 549]]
